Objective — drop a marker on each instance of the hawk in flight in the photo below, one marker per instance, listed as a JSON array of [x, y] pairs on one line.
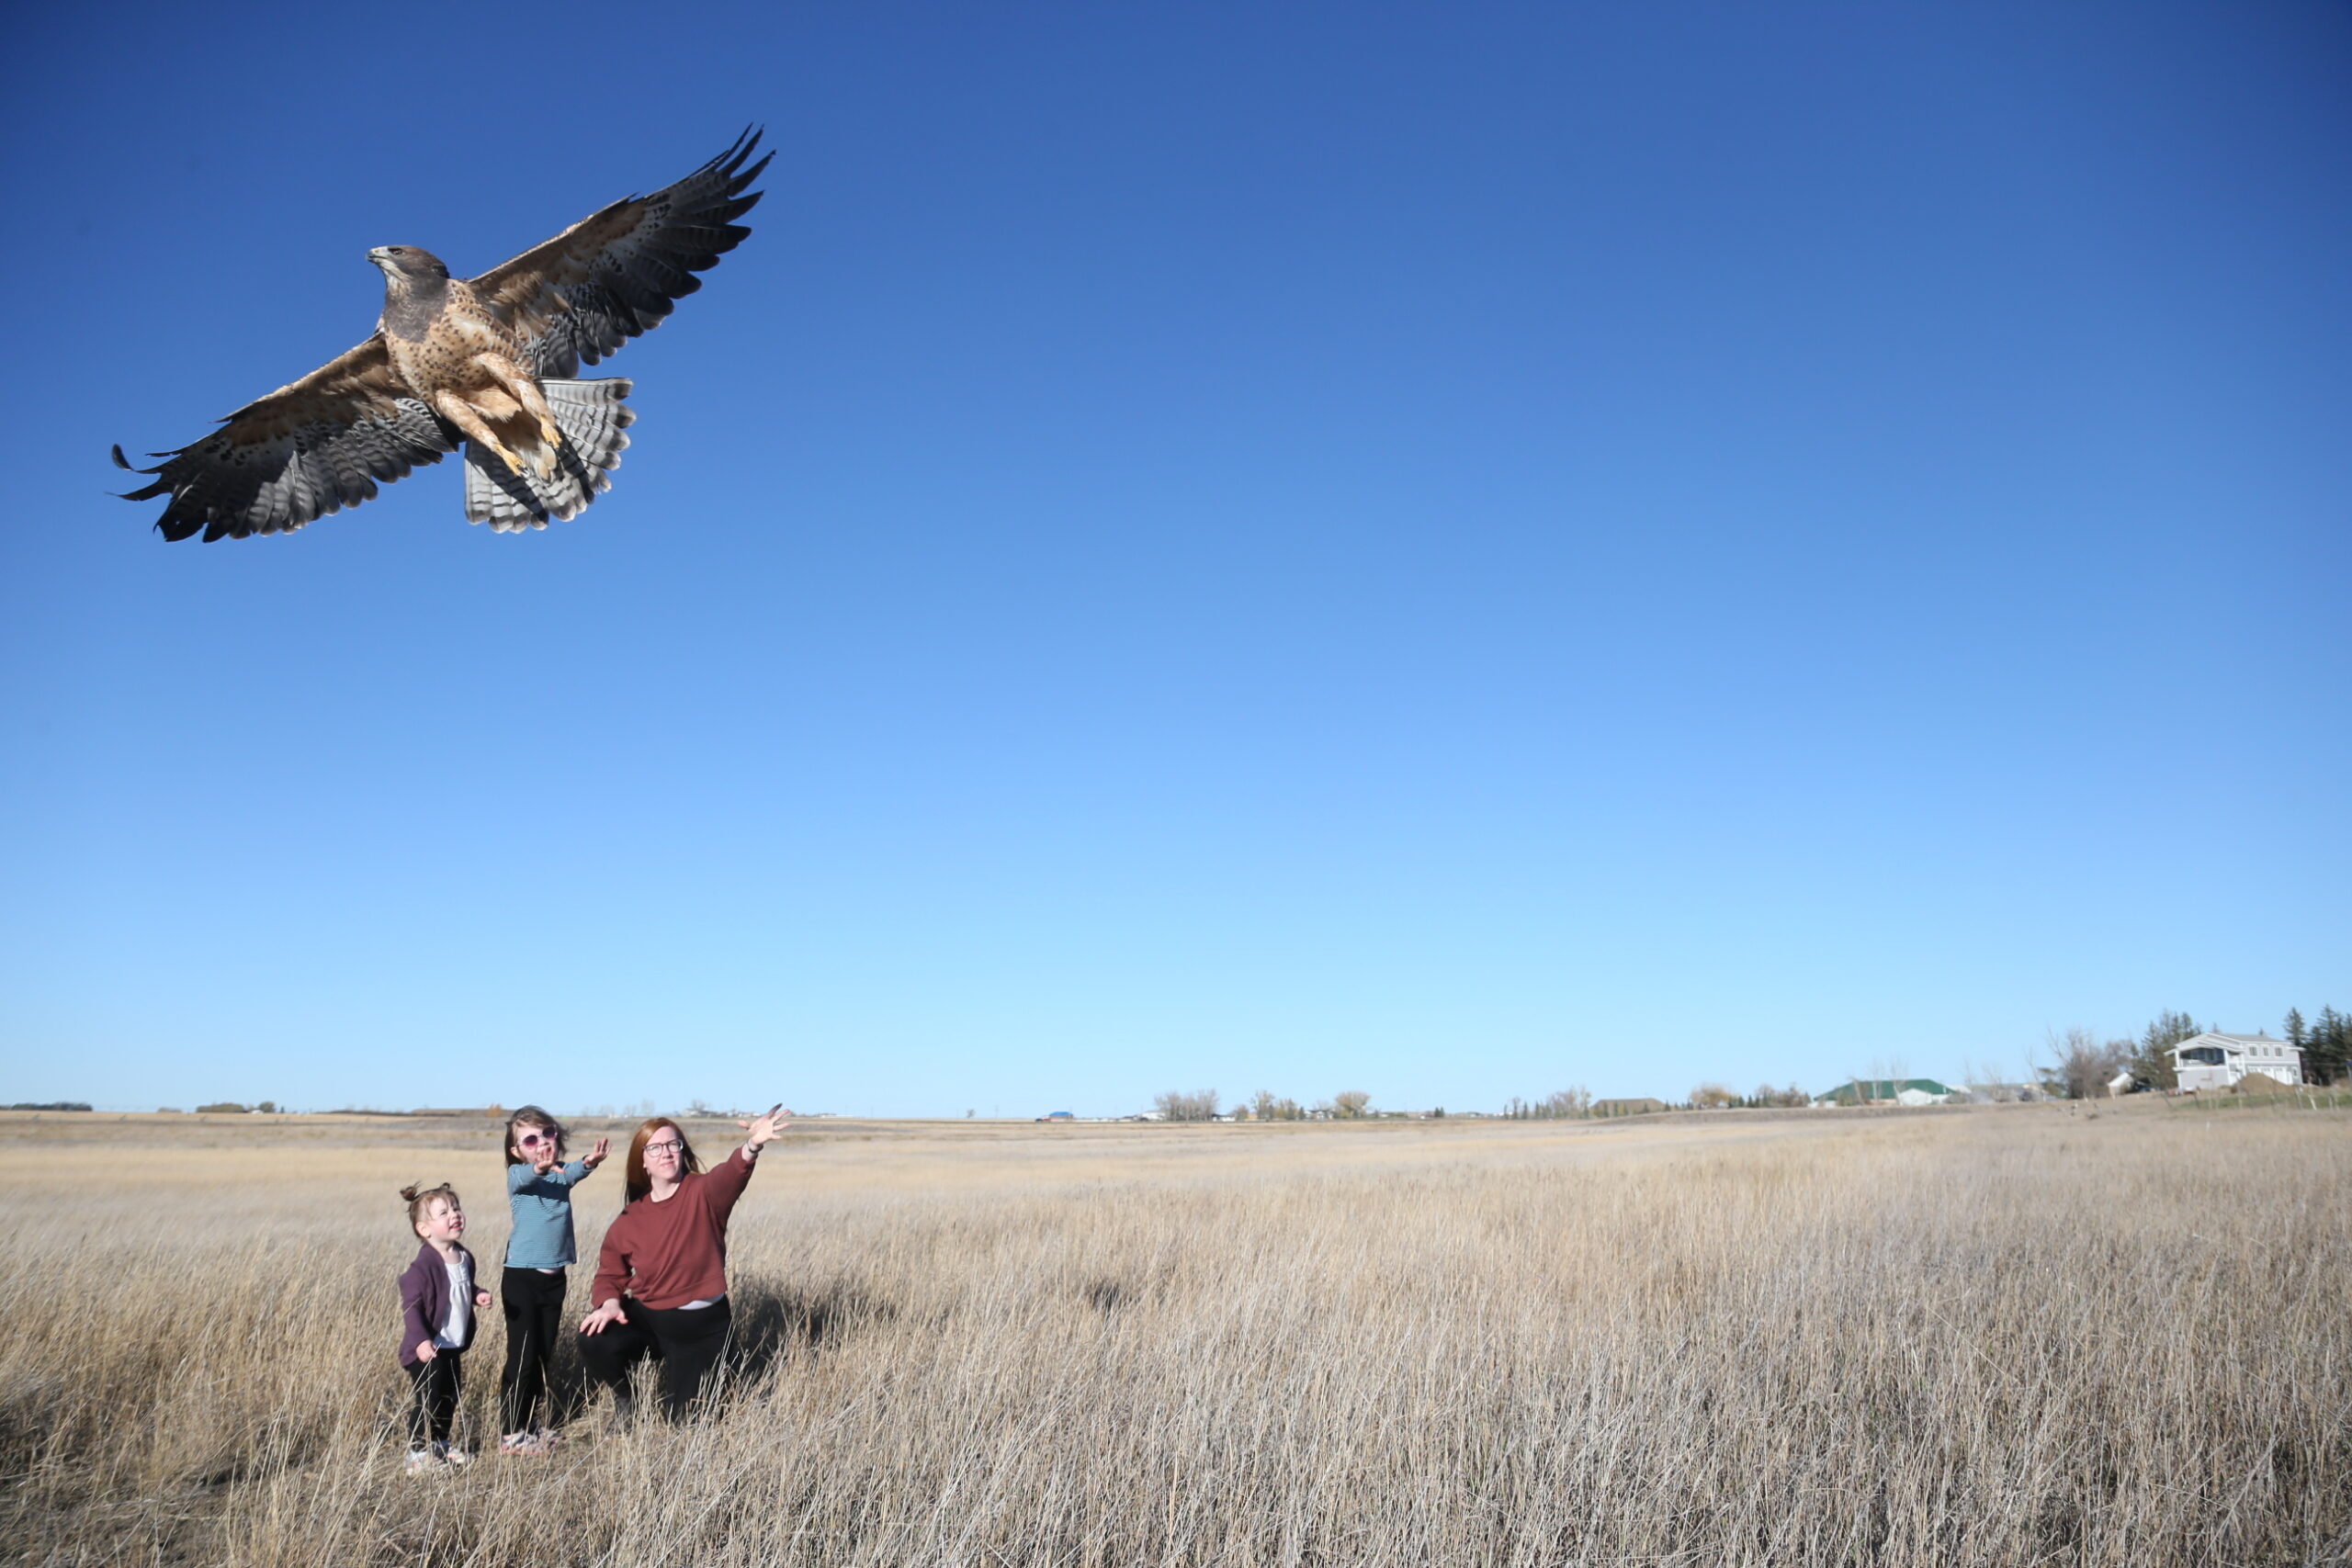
[[488, 361]]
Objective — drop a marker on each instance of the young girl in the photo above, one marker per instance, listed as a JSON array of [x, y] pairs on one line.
[[538, 1190], [437, 1302]]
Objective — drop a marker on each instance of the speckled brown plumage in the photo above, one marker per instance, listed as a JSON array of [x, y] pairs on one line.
[[487, 361]]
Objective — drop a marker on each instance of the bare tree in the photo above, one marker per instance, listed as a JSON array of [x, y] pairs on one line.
[[1574, 1101], [1349, 1103], [1712, 1096], [1177, 1106], [2081, 1064], [1982, 1081]]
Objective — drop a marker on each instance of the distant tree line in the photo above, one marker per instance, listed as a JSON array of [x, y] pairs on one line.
[[2081, 1066], [1202, 1105], [1574, 1101], [2326, 1042], [1711, 1096], [51, 1105]]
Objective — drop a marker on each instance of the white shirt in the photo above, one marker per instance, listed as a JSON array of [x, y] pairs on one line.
[[462, 1306]]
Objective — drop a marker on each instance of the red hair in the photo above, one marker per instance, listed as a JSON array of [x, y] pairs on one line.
[[639, 1183]]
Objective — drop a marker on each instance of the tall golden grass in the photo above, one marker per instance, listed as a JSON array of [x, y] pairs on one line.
[[2005, 1336]]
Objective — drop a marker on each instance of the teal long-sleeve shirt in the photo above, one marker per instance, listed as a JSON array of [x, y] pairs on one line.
[[542, 1210]]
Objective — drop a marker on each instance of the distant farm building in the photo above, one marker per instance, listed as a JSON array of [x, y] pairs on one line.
[[2000, 1093], [1888, 1091], [2213, 1061], [1641, 1107], [1059, 1116]]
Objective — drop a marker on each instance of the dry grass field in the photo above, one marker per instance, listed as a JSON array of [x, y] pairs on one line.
[[2001, 1336]]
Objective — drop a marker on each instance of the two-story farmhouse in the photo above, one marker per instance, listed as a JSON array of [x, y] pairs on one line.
[[2219, 1061]]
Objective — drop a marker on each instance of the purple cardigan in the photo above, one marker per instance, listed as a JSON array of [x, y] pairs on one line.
[[425, 1301]]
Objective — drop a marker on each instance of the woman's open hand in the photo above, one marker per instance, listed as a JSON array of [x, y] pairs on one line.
[[765, 1129], [603, 1317]]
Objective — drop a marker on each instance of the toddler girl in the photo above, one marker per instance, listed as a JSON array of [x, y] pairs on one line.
[[437, 1302], [538, 1190]]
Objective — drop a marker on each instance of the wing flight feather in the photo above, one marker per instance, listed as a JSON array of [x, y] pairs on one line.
[[307, 450], [619, 272]]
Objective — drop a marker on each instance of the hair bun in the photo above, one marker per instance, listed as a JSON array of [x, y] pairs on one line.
[[408, 1193]]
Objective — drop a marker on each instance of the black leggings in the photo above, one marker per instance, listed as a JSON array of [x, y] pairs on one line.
[[433, 1405], [688, 1341], [533, 1303]]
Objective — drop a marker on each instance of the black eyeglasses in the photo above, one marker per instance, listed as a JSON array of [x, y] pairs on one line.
[[665, 1147]]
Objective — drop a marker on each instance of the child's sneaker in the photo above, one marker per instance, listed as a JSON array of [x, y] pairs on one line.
[[549, 1439], [422, 1461], [518, 1443], [454, 1456]]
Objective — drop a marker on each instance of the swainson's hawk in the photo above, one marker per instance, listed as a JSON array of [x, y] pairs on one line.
[[489, 361]]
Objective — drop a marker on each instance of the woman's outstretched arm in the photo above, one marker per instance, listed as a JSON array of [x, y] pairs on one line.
[[765, 1129]]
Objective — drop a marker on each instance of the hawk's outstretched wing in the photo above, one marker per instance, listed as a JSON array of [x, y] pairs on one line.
[[309, 448], [607, 278]]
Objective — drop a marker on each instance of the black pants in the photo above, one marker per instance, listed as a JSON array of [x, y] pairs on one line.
[[433, 1407], [688, 1341], [533, 1303]]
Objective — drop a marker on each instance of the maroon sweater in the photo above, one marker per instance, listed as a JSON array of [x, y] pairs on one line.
[[425, 1301], [670, 1253]]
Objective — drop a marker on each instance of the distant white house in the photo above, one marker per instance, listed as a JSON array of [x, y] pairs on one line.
[[2219, 1061]]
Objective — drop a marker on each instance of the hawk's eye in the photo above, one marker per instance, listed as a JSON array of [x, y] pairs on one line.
[[400, 250]]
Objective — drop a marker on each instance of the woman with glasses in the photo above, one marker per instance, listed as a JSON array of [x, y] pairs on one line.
[[660, 1285]]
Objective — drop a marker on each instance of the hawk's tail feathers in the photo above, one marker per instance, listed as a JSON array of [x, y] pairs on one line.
[[594, 421]]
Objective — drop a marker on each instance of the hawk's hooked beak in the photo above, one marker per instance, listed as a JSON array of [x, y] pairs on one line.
[[378, 255]]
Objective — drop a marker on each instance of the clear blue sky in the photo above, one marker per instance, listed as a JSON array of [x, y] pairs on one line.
[[1451, 551]]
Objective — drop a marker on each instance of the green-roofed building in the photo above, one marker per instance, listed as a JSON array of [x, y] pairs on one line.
[[1888, 1091]]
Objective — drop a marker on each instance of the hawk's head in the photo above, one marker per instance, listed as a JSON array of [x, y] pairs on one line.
[[408, 264]]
